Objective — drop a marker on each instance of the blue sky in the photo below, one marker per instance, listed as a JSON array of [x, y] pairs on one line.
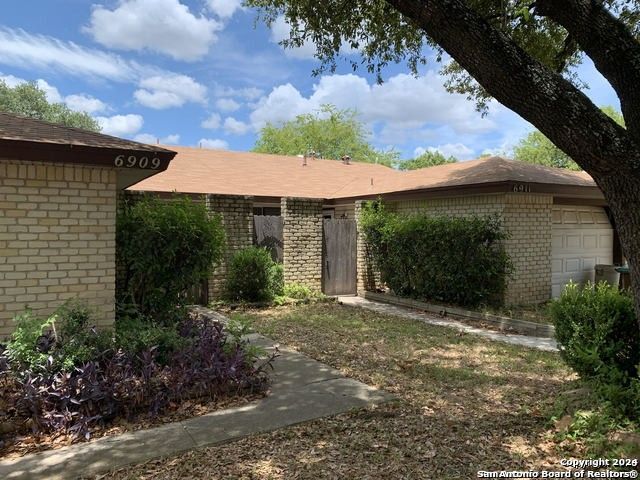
[[201, 72]]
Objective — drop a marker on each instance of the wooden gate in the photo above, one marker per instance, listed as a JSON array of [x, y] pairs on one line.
[[339, 257], [267, 232]]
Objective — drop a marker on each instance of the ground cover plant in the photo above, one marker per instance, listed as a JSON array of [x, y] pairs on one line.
[[61, 377], [436, 258], [464, 403]]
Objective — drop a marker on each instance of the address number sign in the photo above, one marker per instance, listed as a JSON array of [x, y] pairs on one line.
[[132, 161]]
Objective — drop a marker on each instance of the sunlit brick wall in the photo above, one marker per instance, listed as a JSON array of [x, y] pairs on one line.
[[57, 239]]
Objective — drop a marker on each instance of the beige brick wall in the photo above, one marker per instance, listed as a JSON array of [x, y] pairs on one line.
[[57, 238], [302, 238], [527, 218], [237, 220]]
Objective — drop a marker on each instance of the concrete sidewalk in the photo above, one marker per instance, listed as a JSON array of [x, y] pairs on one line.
[[547, 344], [302, 389]]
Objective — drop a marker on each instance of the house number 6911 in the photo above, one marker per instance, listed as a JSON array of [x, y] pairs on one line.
[[521, 188], [132, 161]]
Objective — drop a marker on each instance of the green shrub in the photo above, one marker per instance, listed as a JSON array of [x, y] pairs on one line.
[[597, 330], [59, 342], [164, 248], [253, 276], [135, 335], [447, 259]]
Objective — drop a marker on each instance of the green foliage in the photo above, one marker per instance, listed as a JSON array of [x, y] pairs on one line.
[[329, 132], [29, 100], [296, 292], [589, 323], [597, 331], [165, 247], [538, 149], [60, 342], [427, 159], [136, 334], [253, 276], [22, 348], [453, 260]]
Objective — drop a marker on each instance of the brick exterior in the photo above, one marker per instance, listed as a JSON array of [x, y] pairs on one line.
[[528, 220], [57, 239], [237, 219], [302, 238], [526, 217]]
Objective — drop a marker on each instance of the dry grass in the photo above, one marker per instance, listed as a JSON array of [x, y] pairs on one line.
[[466, 404]]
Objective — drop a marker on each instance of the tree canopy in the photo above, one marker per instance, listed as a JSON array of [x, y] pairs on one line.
[[29, 100], [536, 148], [330, 132], [427, 159]]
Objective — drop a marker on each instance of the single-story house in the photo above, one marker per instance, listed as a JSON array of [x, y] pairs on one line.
[[58, 198], [558, 220]]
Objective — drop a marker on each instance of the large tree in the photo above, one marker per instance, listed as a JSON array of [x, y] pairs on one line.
[[536, 148], [329, 132], [427, 159], [520, 52], [29, 100]]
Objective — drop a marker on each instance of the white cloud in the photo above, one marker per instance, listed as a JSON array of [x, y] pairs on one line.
[[162, 26], [171, 90], [457, 150], [12, 81], [280, 30], [121, 125], [401, 104], [227, 104], [235, 127], [213, 122], [21, 49], [153, 139], [224, 8], [51, 92], [248, 93], [85, 103], [215, 144]]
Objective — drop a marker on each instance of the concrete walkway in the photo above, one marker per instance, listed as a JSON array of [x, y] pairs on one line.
[[547, 344], [302, 389]]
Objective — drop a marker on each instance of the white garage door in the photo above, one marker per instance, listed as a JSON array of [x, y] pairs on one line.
[[581, 238]]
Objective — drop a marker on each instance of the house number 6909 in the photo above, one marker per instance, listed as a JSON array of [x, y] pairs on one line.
[[132, 161]]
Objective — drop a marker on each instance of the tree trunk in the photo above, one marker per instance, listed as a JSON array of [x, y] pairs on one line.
[[623, 196]]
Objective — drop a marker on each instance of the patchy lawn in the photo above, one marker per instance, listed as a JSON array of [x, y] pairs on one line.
[[465, 404]]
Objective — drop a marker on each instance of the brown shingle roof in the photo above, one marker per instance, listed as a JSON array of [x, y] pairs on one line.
[[23, 129], [196, 170]]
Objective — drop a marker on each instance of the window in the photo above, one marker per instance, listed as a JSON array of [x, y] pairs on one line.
[[271, 211]]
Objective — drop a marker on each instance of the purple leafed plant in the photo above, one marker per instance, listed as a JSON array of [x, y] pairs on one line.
[[119, 384]]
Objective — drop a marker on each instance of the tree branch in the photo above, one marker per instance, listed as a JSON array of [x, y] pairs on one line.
[[544, 98], [609, 43]]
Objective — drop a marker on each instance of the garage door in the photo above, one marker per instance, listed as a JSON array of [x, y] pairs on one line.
[[581, 238]]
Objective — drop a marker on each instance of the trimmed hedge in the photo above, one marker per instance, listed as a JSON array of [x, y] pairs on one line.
[[447, 259]]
